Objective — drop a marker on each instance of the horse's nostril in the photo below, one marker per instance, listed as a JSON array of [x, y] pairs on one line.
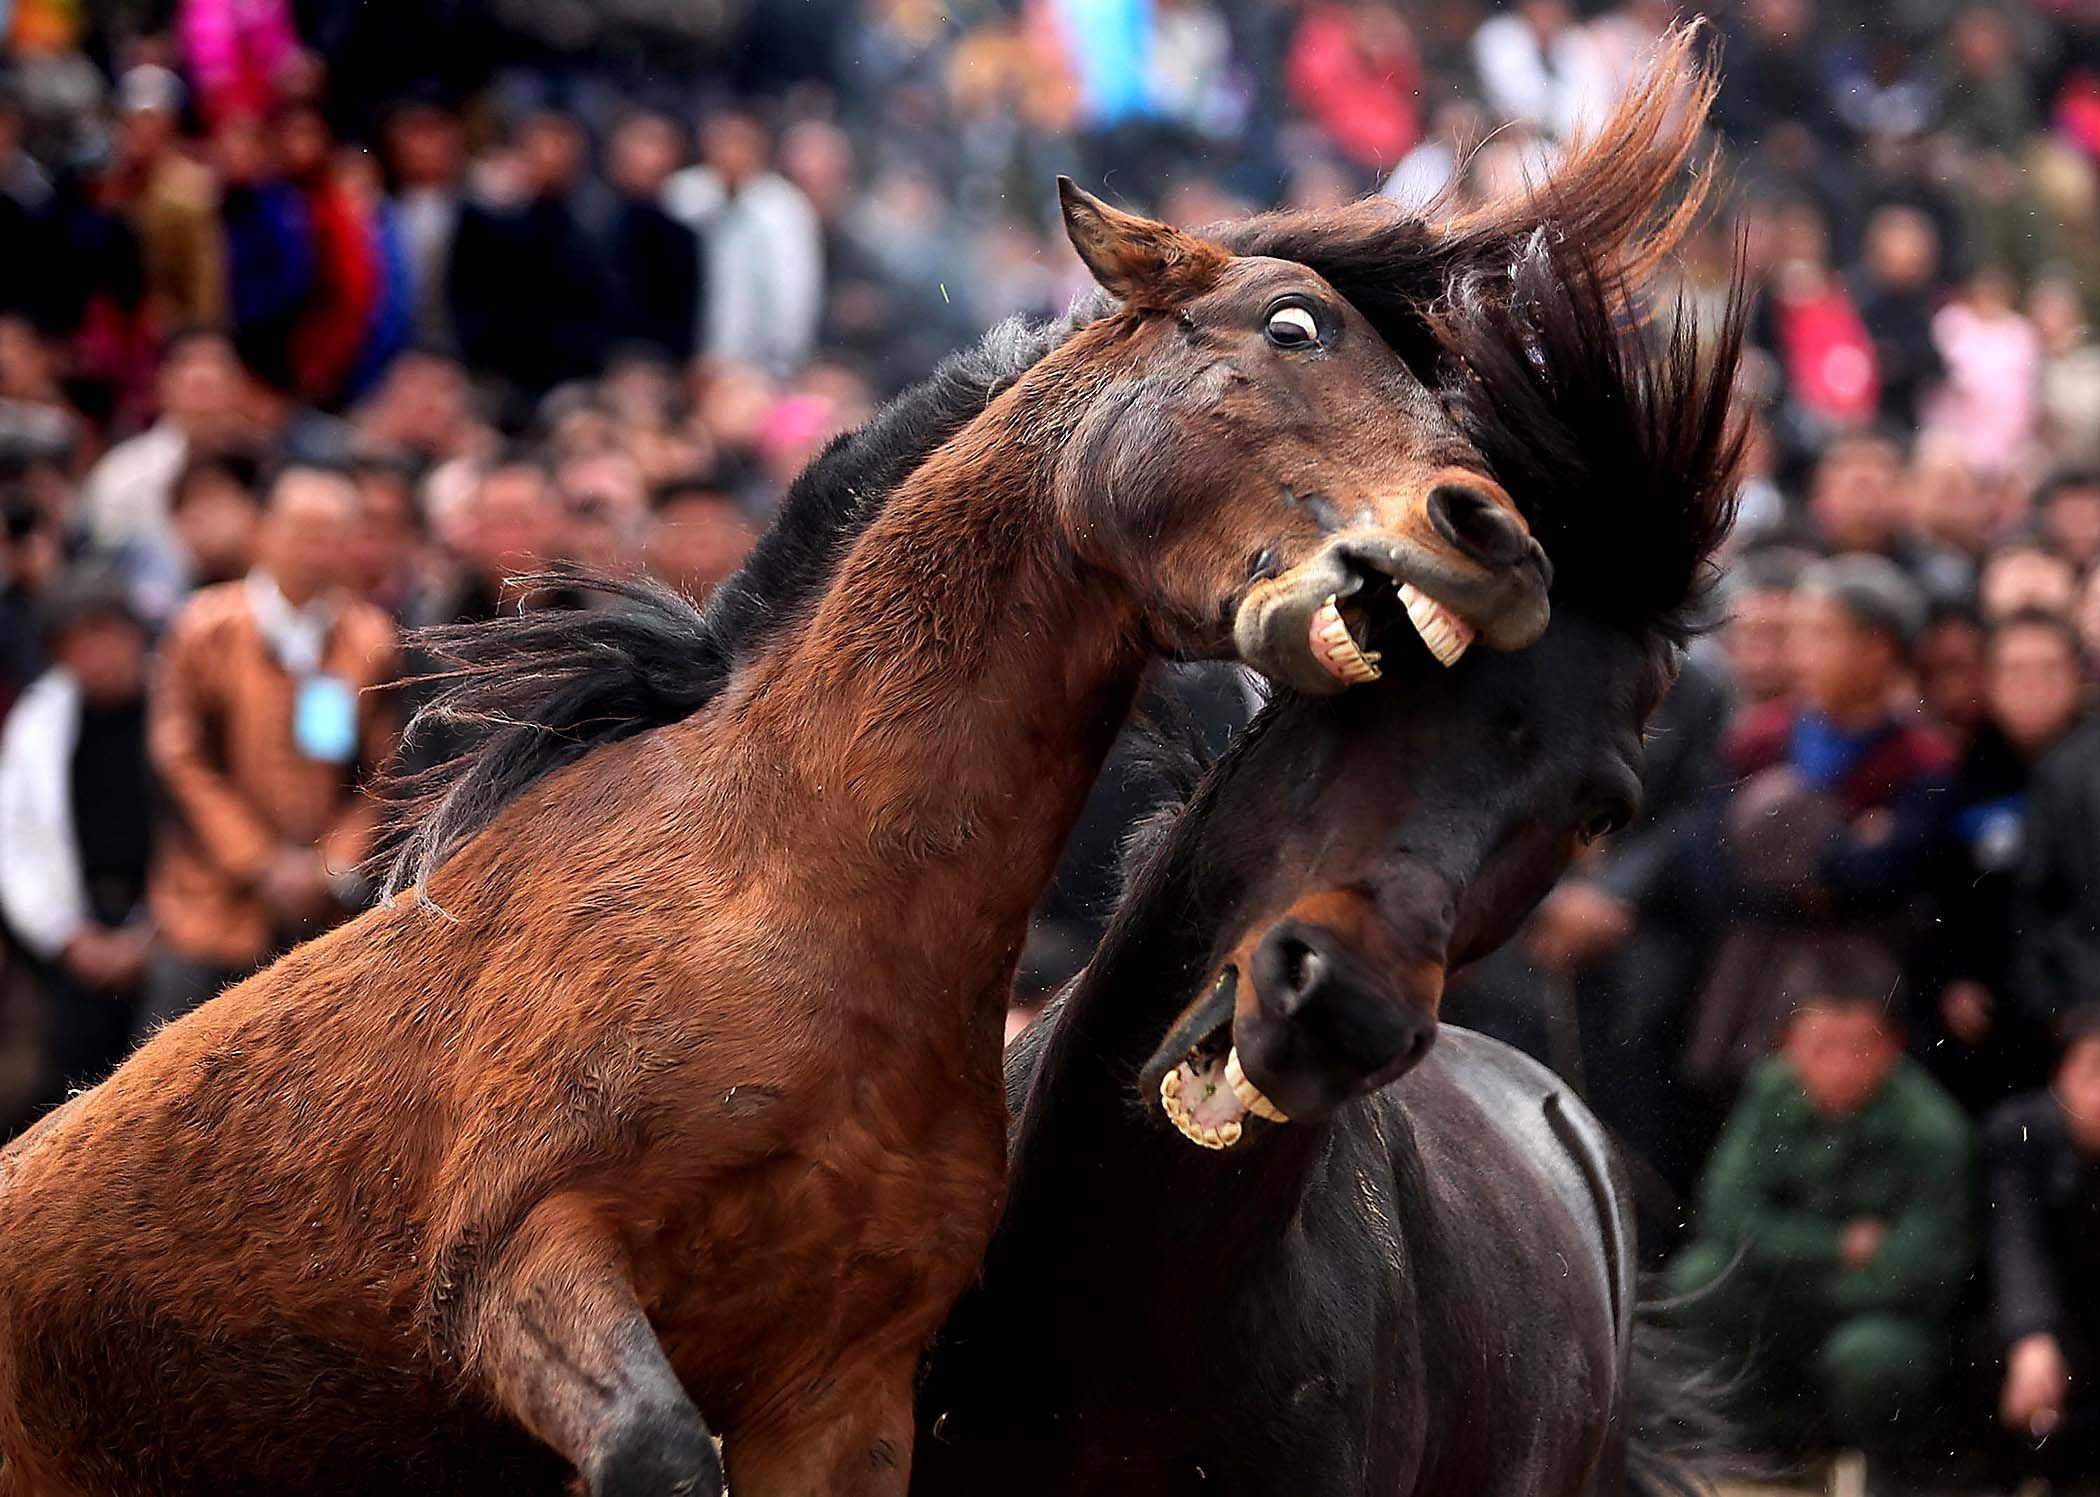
[[1289, 970], [1472, 521], [1303, 967]]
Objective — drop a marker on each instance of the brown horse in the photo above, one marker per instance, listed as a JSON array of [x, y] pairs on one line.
[[677, 1087]]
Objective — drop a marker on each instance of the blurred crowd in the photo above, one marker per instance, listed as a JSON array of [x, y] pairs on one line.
[[322, 319]]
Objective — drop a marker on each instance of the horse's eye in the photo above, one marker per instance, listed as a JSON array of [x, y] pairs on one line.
[[1603, 823], [1293, 327]]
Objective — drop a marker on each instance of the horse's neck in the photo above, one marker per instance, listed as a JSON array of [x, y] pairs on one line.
[[943, 709]]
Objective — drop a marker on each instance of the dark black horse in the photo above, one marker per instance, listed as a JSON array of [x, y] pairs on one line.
[[1424, 1287]]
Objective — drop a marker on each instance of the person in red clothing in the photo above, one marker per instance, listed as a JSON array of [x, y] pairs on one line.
[[1809, 322], [1836, 797], [347, 274], [1354, 71]]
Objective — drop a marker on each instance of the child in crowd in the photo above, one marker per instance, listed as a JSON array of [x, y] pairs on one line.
[[1834, 1219]]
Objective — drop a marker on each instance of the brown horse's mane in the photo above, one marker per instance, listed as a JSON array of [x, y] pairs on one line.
[[529, 693], [1524, 301]]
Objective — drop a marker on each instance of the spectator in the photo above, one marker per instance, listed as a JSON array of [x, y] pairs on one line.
[[1833, 1228], [1987, 408], [1837, 795], [213, 516], [1621, 929], [1537, 64], [606, 503], [2087, 620], [2057, 961], [1856, 501], [269, 246], [764, 260], [263, 731], [1774, 75], [529, 291], [1759, 605], [510, 522], [29, 559], [1354, 72], [654, 259], [125, 496], [339, 316], [29, 217], [424, 157], [1951, 671], [387, 567], [2070, 385], [422, 412], [1808, 320], [173, 204], [242, 54], [2026, 577], [1897, 284], [2067, 515], [1971, 1031], [509, 525], [1953, 519], [698, 536], [2041, 1158], [1987, 105], [74, 797]]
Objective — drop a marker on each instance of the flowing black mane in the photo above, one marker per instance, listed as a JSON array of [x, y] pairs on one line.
[[1616, 438], [532, 693]]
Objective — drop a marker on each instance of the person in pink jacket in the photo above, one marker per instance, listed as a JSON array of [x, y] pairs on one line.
[[240, 54]]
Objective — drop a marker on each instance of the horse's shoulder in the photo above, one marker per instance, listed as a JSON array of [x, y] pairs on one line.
[[1540, 1124]]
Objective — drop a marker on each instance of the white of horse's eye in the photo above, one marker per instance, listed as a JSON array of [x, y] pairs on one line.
[[1293, 327]]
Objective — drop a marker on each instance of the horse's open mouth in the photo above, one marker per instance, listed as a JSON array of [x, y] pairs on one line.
[[1204, 1093], [1341, 629]]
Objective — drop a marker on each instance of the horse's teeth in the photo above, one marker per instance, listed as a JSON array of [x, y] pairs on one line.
[[1446, 634], [1337, 648], [1250, 1095], [1183, 1117]]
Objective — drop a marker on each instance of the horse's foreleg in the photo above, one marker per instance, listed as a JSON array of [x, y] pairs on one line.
[[852, 1440], [564, 1348]]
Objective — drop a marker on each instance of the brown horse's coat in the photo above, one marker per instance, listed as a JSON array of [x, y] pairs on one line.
[[699, 1048]]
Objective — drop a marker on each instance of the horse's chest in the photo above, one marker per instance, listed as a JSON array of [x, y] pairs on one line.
[[859, 1232]]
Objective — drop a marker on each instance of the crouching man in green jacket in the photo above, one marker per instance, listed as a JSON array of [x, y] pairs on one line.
[[1834, 1226]]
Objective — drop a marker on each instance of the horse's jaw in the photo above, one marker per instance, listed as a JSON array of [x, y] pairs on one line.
[[1202, 1088]]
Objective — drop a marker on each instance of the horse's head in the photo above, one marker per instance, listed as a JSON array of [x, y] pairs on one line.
[[1268, 476], [1378, 840], [1406, 829]]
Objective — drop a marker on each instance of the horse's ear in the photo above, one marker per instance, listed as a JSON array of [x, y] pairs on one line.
[[1139, 261]]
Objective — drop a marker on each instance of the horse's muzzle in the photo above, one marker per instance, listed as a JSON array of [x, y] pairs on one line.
[[1309, 629]]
